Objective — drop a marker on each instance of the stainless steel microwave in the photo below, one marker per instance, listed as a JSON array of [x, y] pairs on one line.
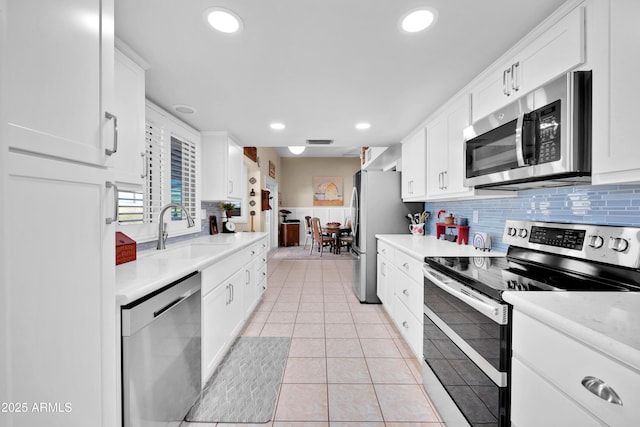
[[543, 139]]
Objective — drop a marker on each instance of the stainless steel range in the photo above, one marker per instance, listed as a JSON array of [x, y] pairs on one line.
[[467, 324]]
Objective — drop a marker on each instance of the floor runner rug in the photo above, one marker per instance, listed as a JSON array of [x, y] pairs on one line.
[[244, 387]]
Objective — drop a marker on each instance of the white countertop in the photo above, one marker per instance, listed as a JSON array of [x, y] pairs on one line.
[[423, 246], [607, 321], [154, 269]]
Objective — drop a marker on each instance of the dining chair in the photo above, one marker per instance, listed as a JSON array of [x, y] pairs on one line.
[[308, 231], [346, 238], [318, 238]]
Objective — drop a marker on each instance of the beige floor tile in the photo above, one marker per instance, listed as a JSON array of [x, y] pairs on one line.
[[347, 370], [340, 330], [310, 317], [336, 306], [338, 317], [307, 347], [379, 347], [289, 298], [298, 424], [353, 402], [265, 306], [312, 298], [302, 402], [277, 330], [344, 347], [367, 317], [285, 306], [404, 403], [355, 424], [335, 298], [311, 306], [309, 330], [304, 370], [252, 329], [282, 317], [393, 331], [390, 371], [372, 330], [404, 348]]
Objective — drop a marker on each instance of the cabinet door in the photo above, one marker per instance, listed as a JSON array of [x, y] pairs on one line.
[[250, 290], [414, 160], [214, 331], [234, 189], [59, 314], [458, 118], [615, 100], [235, 309], [383, 286], [437, 155], [555, 52], [489, 93], [130, 163], [59, 79]]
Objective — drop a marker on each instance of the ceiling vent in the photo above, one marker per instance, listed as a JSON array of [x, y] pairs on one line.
[[319, 141]]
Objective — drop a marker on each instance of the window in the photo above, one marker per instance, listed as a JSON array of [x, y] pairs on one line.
[[183, 177], [130, 207], [154, 147]]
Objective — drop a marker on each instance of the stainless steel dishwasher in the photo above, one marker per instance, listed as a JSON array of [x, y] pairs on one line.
[[161, 354]]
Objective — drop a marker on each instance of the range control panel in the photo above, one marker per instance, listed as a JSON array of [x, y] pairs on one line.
[[602, 243]]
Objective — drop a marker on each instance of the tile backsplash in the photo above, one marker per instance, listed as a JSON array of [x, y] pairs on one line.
[[602, 204]]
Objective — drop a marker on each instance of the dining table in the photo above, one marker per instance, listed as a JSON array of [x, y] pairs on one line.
[[336, 229]]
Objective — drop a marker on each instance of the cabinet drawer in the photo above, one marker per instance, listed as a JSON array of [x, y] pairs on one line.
[[409, 327], [410, 293], [409, 266], [214, 275], [565, 362], [262, 246], [385, 249], [530, 393]]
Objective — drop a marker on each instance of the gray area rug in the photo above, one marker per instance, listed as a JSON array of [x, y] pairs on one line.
[[244, 387]]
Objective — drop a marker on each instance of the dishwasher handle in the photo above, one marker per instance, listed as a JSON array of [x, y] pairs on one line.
[[168, 306]]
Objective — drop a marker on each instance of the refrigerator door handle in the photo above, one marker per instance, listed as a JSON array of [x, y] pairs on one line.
[[354, 254], [354, 211]]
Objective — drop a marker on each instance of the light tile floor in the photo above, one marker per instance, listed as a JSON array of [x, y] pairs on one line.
[[347, 363]]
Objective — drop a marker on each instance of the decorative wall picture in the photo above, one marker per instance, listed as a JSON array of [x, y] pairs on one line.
[[272, 169], [327, 191]]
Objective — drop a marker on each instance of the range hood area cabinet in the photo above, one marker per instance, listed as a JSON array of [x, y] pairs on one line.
[[554, 52], [221, 167], [414, 159]]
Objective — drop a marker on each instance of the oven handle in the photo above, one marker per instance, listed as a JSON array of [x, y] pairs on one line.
[[520, 140], [493, 310]]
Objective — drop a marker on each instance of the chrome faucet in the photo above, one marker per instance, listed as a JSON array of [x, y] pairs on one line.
[[162, 234]]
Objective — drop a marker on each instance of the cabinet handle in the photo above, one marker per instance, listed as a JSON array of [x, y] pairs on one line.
[[253, 252], [444, 180], [515, 84], [405, 324], [406, 292], [601, 389], [113, 117], [228, 295], [110, 184], [233, 292], [248, 277], [506, 79], [145, 165], [406, 265], [382, 269]]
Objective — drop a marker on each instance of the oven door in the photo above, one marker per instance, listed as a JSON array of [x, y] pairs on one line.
[[467, 347]]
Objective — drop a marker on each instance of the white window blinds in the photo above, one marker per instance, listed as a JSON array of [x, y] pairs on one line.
[[183, 176], [155, 185]]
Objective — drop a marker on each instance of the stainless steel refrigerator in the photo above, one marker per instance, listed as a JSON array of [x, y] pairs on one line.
[[376, 208]]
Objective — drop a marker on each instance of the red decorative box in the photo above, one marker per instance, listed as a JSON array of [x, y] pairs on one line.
[[125, 248]]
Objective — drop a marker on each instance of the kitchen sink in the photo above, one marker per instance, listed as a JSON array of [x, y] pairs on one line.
[[192, 251]]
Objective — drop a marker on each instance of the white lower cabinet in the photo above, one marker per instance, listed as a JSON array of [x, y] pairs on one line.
[[231, 289], [400, 288], [554, 371]]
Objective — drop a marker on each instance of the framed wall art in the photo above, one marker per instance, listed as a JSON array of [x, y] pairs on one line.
[[327, 191]]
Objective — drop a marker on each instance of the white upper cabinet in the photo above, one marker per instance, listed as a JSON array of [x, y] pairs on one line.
[[60, 83], [555, 51], [221, 167], [414, 159], [445, 151], [615, 92], [130, 165]]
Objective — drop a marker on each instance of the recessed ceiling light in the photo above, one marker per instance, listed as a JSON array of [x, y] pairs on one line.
[[297, 149], [418, 20], [363, 126], [277, 126], [223, 20], [184, 109]]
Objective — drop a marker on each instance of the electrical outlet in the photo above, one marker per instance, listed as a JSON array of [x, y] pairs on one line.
[[475, 217]]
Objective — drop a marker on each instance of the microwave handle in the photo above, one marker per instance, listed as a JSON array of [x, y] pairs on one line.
[[519, 140]]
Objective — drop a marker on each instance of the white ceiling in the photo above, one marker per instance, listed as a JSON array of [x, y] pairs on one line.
[[319, 66]]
